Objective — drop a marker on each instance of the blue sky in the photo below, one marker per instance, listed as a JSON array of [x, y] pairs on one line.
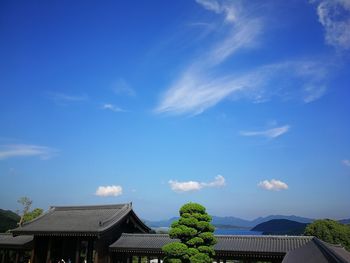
[[239, 105]]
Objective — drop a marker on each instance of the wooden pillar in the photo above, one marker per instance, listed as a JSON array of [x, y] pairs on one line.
[[48, 254], [3, 256], [77, 251], [90, 250], [32, 256], [17, 256]]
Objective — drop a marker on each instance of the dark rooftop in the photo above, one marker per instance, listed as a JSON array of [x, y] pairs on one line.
[[237, 243], [289, 248], [18, 242], [318, 251], [76, 220]]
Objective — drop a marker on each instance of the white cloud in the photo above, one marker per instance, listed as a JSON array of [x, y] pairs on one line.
[[334, 15], [121, 87], [346, 162], [218, 182], [64, 99], [185, 186], [188, 186], [26, 150], [270, 133], [201, 86], [273, 185], [110, 190], [111, 107]]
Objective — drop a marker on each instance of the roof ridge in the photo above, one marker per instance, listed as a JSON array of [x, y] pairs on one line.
[[265, 236], [124, 208], [87, 207], [146, 234], [330, 253]]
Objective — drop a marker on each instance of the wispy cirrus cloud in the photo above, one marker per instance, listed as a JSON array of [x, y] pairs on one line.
[[189, 186], [65, 99], [112, 107], [196, 91], [110, 190], [334, 15], [121, 87], [202, 86], [346, 162], [26, 150], [273, 185], [269, 133]]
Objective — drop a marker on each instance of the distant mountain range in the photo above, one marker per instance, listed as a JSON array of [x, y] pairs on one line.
[[234, 222], [8, 220], [280, 227]]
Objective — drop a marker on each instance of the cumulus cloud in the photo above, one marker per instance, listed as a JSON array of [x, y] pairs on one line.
[[334, 15], [26, 150], [188, 186], [346, 162], [270, 133], [111, 107], [110, 190], [273, 185]]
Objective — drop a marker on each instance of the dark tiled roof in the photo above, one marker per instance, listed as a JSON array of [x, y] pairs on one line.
[[20, 242], [270, 244], [292, 248], [318, 251], [77, 220], [236, 243]]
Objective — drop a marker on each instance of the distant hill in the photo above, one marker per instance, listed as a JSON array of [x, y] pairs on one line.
[[345, 221], [8, 220], [160, 223], [280, 227], [233, 222]]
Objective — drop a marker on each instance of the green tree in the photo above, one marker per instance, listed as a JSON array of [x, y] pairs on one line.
[[26, 214], [330, 231], [195, 234]]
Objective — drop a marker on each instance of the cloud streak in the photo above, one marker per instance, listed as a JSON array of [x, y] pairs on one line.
[[273, 185], [346, 163], [190, 186], [26, 150], [270, 133], [334, 15], [111, 107], [202, 86], [65, 99], [110, 190]]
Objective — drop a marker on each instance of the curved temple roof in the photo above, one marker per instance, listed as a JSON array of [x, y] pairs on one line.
[[79, 220]]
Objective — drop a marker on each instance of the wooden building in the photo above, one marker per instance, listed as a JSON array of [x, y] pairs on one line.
[[114, 234], [130, 248], [79, 233], [15, 249]]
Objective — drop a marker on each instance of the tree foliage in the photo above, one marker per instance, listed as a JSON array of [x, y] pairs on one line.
[[195, 234], [26, 214], [330, 231]]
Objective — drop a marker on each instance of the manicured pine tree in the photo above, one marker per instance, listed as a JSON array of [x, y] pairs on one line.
[[195, 233]]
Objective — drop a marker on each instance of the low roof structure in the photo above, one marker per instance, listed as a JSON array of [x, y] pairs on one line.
[[19, 242], [286, 248], [318, 251], [79, 221]]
